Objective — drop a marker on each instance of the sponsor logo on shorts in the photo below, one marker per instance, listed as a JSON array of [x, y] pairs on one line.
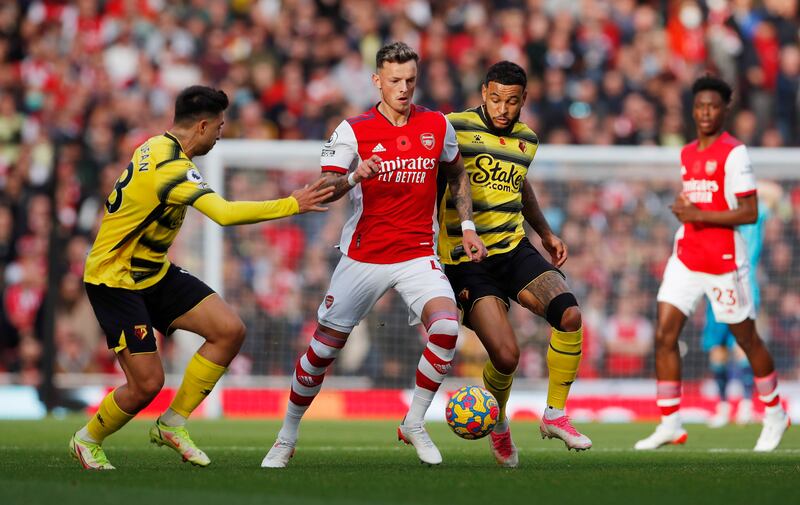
[[140, 330], [328, 301]]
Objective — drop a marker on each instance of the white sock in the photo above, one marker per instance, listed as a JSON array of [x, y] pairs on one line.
[[673, 420], [172, 418], [83, 434], [419, 405], [551, 413], [775, 410], [501, 427], [291, 422]]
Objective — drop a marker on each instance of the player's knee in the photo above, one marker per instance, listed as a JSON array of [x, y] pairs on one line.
[[664, 338], [571, 319], [147, 389], [506, 360], [557, 311], [233, 332]]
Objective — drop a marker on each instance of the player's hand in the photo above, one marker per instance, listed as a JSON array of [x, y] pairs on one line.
[[557, 249], [368, 168], [309, 197], [474, 246], [683, 209]]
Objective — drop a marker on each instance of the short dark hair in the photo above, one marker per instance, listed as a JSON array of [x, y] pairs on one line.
[[196, 102], [397, 52], [508, 73], [710, 82]]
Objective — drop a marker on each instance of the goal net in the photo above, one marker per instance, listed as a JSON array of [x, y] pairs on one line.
[[611, 205]]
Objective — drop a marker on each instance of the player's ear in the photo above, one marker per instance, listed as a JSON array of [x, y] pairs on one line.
[[524, 97], [376, 80], [484, 90], [202, 126]]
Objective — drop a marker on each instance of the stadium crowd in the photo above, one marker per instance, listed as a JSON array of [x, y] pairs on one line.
[[83, 82]]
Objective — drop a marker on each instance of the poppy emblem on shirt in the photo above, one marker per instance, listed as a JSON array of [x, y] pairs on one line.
[[711, 167], [403, 143], [428, 140], [328, 301], [522, 146], [140, 330]]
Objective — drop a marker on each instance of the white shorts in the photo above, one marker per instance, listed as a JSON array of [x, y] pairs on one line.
[[356, 286], [730, 293]]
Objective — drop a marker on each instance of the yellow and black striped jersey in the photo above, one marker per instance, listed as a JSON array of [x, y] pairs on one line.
[[143, 215], [146, 210], [497, 164]]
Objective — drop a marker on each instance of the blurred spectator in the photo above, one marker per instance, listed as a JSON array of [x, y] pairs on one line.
[[83, 83]]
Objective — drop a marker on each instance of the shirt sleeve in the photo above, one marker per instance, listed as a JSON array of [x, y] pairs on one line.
[[179, 182], [340, 151], [450, 150], [739, 172], [224, 212]]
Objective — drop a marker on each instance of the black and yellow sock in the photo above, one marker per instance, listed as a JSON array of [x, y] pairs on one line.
[[200, 378], [108, 419], [499, 384], [563, 358]]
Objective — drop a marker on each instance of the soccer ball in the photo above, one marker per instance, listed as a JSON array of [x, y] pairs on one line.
[[472, 412]]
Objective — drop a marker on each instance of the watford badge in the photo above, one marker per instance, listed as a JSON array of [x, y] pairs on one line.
[[140, 330]]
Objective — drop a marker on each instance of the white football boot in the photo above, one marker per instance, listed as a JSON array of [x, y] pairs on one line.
[[279, 455], [721, 417], [562, 428], [744, 412], [775, 425], [665, 434], [416, 435]]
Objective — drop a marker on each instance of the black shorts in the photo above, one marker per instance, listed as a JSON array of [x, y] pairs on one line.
[[502, 276], [136, 312]]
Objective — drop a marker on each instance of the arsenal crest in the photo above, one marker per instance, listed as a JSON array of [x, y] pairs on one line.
[[328, 301], [140, 330], [711, 167], [428, 140]]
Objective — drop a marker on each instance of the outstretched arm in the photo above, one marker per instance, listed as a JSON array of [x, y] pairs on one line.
[[461, 194], [534, 217], [225, 213]]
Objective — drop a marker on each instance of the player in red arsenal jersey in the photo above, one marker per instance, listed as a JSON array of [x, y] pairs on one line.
[[387, 159], [719, 194]]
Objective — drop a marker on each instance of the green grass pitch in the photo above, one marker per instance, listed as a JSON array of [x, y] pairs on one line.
[[363, 463]]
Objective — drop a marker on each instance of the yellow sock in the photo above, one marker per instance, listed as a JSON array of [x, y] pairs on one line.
[[499, 384], [108, 419], [563, 358], [198, 381]]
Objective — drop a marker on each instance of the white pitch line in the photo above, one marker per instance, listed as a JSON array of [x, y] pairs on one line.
[[373, 448]]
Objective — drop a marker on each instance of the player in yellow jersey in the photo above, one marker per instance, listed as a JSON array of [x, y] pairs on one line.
[[134, 289], [498, 151]]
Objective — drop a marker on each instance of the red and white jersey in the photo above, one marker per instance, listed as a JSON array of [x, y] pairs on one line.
[[394, 212], [712, 180]]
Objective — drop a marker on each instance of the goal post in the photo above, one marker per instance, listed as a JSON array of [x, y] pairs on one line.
[[610, 205]]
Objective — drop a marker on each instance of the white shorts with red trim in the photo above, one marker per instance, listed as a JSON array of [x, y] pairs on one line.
[[730, 294], [356, 286]]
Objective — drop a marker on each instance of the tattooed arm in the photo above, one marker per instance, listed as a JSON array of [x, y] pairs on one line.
[[461, 194], [534, 217], [341, 182]]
